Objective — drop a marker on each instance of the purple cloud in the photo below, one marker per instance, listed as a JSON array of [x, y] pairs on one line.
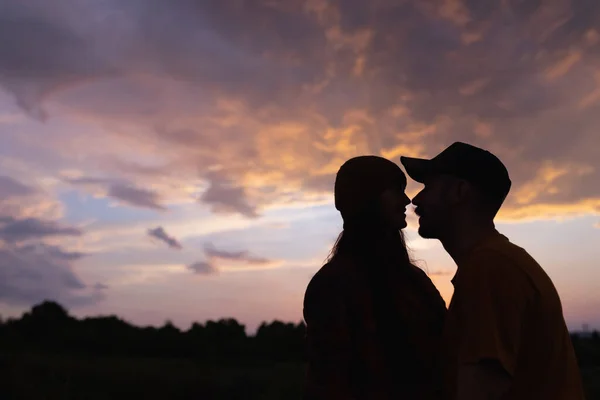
[[11, 188], [160, 234], [214, 255], [419, 75], [31, 274], [243, 256], [223, 196], [136, 196], [13, 230], [203, 268], [100, 286], [126, 193]]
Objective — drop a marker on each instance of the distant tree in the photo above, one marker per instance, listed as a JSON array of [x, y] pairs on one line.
[[280, 341], [196, 328], [574, 337], [48, 327], [50, 311], [168, 327], [226, 340]]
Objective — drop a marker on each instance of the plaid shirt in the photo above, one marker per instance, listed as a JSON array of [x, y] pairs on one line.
[[346, 328]]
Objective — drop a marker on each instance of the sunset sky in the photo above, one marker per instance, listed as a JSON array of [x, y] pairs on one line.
[[174, 159]]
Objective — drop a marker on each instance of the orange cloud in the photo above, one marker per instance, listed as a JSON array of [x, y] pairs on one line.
[[548, 181], [240, 115], [549, 211], [563, 66]]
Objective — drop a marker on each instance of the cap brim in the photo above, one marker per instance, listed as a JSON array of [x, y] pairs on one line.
[[419, 169]]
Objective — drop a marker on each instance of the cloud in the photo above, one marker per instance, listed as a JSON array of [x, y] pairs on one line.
[[225, 197], [203, 268], [126, 193], [160, 234], [21, 201], [31, 274], [242, 256], [136, 197], [11, 188], [100, 286], [15, 230], [276, 95], [217, 259]]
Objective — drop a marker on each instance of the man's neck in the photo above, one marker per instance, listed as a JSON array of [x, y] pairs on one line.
[[465, 238]]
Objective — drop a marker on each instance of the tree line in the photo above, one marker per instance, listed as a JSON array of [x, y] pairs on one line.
[[48, 327]]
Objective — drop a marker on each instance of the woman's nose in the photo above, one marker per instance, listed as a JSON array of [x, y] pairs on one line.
[[416, 199]]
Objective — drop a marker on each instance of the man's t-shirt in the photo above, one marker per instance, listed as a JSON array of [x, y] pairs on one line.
[[506, 308]]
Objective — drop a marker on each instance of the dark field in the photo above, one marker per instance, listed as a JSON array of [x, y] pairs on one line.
[[49, 355], [60, 377]]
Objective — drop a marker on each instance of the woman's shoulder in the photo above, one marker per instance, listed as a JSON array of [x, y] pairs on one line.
[[333, 270], [332, 276]]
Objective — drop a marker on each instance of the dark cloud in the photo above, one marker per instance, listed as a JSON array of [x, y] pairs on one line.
[[11, 188], [277, 86], [137, 197], [203, 268], [101, 286], [14, 230], [214, 256], [55, 252], [47, 55], [89, 180], [243, 256], [160, 234], [126, 193], [224, 196], [31, 274], [203, 43]]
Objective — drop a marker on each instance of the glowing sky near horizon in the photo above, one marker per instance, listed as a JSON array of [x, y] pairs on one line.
[[174, 159]]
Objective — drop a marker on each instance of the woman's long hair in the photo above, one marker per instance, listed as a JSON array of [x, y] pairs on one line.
[[367, 238], [369, 242]]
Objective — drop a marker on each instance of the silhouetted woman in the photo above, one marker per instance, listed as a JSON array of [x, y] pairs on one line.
[[374, 320]]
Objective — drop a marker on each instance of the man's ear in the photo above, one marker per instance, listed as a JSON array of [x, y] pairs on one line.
[[463, 190]]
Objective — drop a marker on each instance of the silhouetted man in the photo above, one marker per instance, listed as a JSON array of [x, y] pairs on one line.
[[505, 335]]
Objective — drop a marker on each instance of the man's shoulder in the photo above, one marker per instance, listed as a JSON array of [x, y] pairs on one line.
[[502, 262], [501, 252], [492, 264]]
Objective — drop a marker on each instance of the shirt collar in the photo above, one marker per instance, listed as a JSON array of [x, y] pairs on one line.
[[484, 241]]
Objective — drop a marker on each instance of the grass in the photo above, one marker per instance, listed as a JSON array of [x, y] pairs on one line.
[[50, 377], [36, 376]]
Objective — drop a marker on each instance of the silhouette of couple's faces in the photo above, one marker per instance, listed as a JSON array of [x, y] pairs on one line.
[[437, 205], [442, 204], [393, 202], [433, 206]]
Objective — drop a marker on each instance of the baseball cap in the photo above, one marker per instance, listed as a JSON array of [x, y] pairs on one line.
[[475, 165]]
